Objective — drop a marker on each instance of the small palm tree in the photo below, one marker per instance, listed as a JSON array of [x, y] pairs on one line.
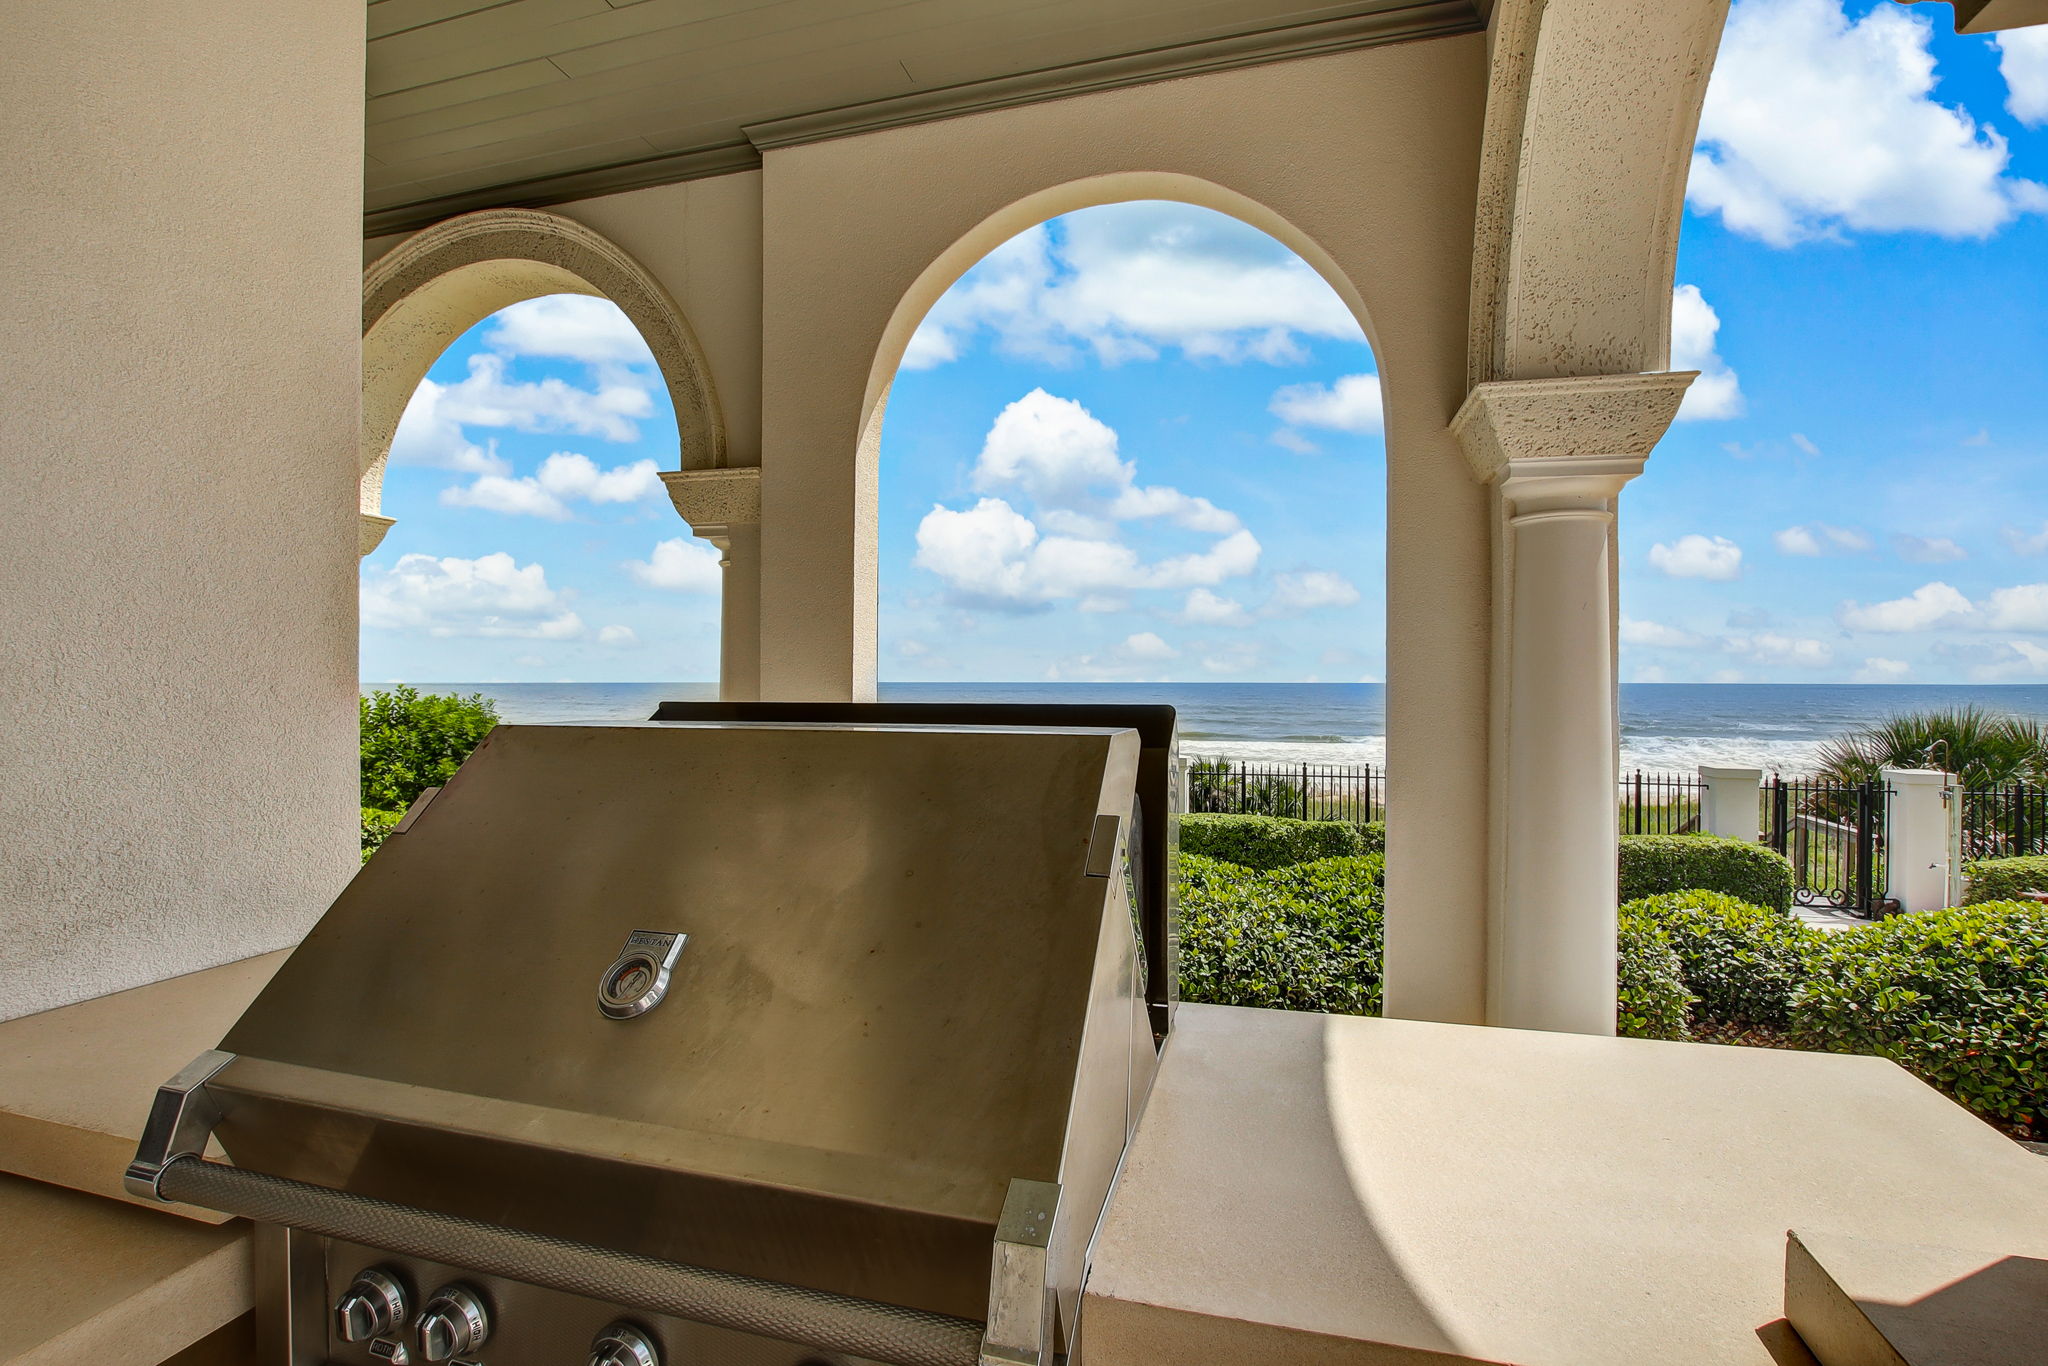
[[1982, 748]]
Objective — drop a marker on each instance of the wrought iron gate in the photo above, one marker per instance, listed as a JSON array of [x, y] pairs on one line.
[[1835, 838]]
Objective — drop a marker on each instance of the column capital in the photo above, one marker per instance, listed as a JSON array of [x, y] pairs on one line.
[[1508, 428], [370, 529], [715, 501]]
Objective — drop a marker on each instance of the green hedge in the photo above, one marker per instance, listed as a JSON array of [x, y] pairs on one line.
[[1742, 964], [1308, 937], [1374, 834], [1312, 937], [1265, 842], [1653, 864], [1653, 1002], [2004, 879], [376, 825], [1958, 996]]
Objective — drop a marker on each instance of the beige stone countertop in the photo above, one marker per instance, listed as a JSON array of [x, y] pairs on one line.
[[76, 1082], [1312, 1189], [89, 1280]]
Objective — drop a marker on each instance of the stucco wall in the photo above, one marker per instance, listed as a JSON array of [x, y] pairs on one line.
[[177, 603], [1366, 163]]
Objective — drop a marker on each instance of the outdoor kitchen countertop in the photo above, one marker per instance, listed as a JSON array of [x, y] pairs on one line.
[[87, 1279], [76, 1082], [1327, 1189]]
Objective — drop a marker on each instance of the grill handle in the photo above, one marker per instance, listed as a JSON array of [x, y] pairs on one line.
[[746, 1304]]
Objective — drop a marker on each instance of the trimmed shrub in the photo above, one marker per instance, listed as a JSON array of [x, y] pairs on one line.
[[2005, 879], [1307, 937], [1653, 1001], [1653, 864], [376, 825], [1742, 964], [1958, 996], [1264, 842], [1374, 834]]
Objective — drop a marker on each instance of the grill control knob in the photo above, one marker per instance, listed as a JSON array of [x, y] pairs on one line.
[[372, 1307], [453, 1323], [624, 1344]]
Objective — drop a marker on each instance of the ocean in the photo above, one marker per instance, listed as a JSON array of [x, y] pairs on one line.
[[1666, 727]]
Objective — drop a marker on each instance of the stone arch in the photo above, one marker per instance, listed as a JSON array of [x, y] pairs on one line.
[[430, 289], [1591, 110]]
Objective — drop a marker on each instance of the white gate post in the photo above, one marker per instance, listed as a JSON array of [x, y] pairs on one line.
[[1731, 802], [1916, 842]]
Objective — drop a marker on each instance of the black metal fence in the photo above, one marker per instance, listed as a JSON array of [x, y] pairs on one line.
[[2004, 822], [1310, 792], [1660, 803]]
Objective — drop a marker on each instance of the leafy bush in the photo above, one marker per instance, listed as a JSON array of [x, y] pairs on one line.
[[1308, 937], [1984, 749], [1312, 937], [1267, 841], [1741, 963], [1374, 834], [412, 741], [1958, 996], [1653, 864], [376, 825], [1653, 1000], [2005, 879]]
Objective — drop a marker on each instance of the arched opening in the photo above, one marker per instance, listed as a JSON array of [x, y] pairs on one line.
[[1128, 442], [442, 282], [533, 544]]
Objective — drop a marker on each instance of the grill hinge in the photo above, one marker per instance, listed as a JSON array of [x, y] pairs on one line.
[[1020, 1303]]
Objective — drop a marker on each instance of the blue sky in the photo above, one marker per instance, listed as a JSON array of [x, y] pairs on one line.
[[1142, 441]]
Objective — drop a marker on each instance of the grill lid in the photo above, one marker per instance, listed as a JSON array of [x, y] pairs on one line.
[[794, 1001]]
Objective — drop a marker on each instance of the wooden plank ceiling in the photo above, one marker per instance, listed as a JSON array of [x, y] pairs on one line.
[[476, 103]]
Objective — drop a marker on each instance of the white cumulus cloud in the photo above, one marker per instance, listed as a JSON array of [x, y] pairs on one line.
[[1695, 327], [619, 637], [563, 477], [679, 565], [2023, 607], [2023, 61], [1698, 557], [1815, 123], [1065, 460], [1878, 669], [1128, 281], [1656, 635], [1930, 605], [1140, 653], [570, 326], [1204, 608], [1818, 538], [1351, 404], [1308, 590], [487, 596]]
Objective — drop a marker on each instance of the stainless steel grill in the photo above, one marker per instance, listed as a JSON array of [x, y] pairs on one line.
[[753, 1041]]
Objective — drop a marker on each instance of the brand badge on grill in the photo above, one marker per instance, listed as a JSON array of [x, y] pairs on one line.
[[638, 978]]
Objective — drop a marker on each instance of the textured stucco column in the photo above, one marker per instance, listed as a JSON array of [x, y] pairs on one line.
[[1916, 840], [1557, 452], [1731, 802], [724, 508]]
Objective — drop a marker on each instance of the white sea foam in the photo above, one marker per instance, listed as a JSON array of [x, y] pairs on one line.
[[1650, 753]]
